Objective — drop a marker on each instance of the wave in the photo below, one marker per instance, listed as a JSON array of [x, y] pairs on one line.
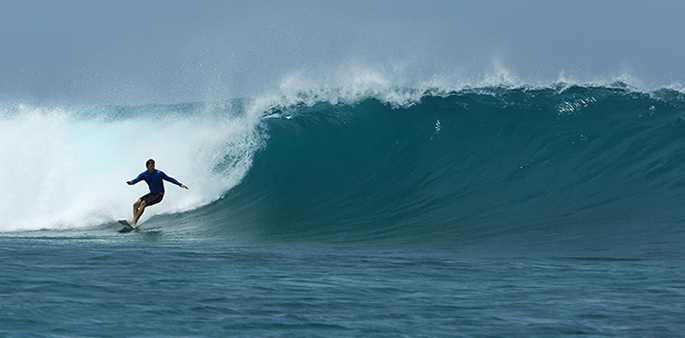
[[544, 164], [562, 163]]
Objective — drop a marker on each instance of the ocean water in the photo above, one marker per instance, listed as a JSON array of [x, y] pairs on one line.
[[496, 211]]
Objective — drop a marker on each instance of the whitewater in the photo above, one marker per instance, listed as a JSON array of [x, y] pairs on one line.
[[502, 209]]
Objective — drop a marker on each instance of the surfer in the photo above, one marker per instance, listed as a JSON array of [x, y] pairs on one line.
[[153, 178]]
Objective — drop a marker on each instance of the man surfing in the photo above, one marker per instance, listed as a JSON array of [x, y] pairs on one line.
[[153, 178]]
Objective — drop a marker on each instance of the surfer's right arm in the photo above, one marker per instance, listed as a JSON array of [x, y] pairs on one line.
[[137, 179]]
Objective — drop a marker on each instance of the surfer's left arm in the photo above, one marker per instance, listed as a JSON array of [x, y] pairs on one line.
[[173, 180]]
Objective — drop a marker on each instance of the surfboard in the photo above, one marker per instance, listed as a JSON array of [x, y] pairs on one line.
[[127, 227]]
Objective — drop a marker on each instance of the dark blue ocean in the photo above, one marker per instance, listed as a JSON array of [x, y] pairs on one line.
[[477, 212]]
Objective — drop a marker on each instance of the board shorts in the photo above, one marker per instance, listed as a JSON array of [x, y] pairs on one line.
[[152, 199]]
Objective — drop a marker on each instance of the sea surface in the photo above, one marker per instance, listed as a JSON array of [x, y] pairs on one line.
[[504, 211]]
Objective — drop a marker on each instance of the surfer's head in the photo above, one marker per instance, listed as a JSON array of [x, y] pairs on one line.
[[150, 165]]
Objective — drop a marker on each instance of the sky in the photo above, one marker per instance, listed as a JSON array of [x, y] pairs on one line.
[[168, 51]]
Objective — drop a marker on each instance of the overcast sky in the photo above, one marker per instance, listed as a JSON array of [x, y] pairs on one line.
[[154, 51]]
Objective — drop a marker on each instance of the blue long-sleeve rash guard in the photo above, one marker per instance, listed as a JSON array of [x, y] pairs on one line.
[[154, 180]]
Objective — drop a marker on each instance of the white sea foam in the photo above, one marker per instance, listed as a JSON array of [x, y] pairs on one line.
[[61, 169]]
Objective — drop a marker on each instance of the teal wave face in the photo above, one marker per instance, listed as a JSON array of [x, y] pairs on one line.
[[580, 165]]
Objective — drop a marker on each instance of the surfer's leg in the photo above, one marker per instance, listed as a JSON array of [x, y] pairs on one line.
[[138, 209], [136, 206]]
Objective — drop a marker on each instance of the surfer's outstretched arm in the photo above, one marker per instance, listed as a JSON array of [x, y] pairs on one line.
[[173, 180], [137, 179]]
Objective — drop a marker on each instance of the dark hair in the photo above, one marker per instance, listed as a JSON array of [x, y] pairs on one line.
[[148, 162]]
